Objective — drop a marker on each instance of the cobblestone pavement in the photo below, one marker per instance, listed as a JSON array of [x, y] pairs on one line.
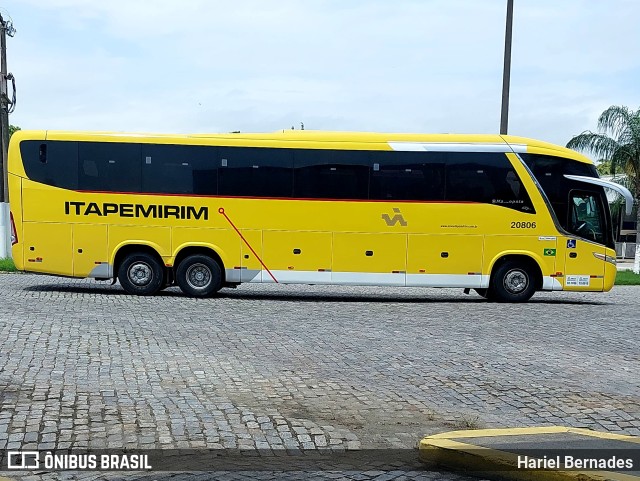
[[83, 365]]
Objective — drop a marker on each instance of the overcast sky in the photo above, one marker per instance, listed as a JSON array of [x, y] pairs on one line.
[[366, 65]]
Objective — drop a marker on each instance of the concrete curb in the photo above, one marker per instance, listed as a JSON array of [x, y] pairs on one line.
[[446, 450]]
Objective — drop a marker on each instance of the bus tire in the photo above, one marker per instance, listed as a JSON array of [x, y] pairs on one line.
[[199, 276], [141, 274], [511, 282]]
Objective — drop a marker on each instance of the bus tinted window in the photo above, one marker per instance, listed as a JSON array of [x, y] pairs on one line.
[[549, 166], [179, 169], [52, 163], [407, 176], [255, 172], [331, 174], [487, 178], [302, 173], [550, 172], [109, 167]]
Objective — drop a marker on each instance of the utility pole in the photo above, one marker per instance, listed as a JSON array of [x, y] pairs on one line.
[[506, 72], [6, 28]]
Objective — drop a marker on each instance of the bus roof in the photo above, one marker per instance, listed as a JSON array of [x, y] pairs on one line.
[[311, 138]]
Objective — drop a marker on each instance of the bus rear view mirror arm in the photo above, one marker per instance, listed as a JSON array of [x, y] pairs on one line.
[[628, 198]]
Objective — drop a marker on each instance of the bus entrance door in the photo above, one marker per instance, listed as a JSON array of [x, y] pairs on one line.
[[583, 271]]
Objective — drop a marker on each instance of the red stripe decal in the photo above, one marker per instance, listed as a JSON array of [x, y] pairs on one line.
[[222, 212]]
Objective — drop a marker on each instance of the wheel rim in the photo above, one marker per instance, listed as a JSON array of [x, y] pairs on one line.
[[140, 274], [516, 281], [198, 276]]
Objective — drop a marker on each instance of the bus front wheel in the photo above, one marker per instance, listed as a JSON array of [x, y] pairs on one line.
[[199, 276], [141, 274], [511, 282]]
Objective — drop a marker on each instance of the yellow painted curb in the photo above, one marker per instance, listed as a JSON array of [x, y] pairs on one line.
[[5, 479], [442, 450]]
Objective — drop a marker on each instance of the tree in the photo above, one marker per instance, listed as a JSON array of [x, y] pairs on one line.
[[604, 167], [12, 129], [621, 148]]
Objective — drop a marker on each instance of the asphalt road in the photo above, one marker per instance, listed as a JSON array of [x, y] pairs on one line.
[[304, 368]]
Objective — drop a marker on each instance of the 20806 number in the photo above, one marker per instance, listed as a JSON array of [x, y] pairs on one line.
[[523, 225]]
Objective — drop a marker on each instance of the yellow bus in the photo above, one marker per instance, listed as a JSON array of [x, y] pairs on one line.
[[506, 216]]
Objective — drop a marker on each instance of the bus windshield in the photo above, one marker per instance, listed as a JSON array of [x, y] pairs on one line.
[[550, 173]]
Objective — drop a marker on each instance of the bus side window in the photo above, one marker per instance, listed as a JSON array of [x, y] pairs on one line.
[[179, 169], [117, 165], [407, 176], [30, 153], [331, 174], [467, 181], [53, 163], [485, 177], [255, 172]]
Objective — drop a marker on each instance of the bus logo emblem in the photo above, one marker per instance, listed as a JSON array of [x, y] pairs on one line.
[[396, 219]]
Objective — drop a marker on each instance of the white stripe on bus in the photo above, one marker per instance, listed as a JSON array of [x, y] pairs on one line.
[[456, 147]]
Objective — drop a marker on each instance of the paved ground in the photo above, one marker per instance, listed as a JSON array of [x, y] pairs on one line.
[[83, 365]]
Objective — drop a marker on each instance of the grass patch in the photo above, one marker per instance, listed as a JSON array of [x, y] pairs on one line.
[[627, 278], [7, 265], [467, 421]]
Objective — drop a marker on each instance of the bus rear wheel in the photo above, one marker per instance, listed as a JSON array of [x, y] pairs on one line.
[[511, 282], [141, 274], [199, 276]]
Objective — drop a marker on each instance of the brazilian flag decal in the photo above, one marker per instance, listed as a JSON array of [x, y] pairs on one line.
[[550, 252]]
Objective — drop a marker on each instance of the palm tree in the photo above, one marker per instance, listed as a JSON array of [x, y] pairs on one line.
[[622, 149]]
